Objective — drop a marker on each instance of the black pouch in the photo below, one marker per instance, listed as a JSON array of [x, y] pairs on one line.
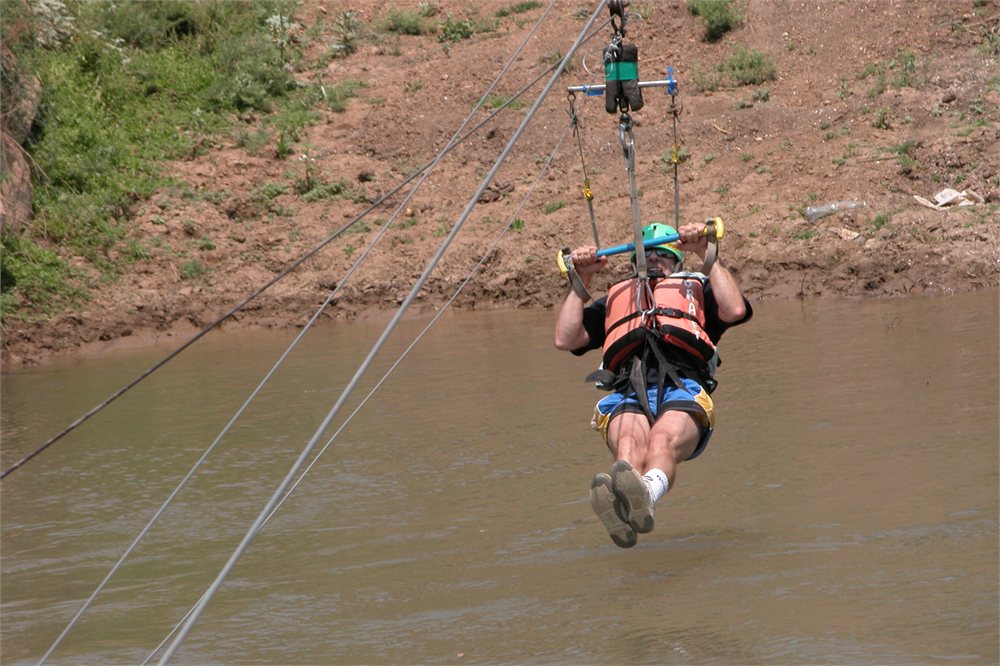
[[629, 88]]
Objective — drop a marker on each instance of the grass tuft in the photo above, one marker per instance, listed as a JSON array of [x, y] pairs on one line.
[[720, 16]]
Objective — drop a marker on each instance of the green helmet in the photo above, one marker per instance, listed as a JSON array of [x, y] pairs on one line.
[[656, 230]]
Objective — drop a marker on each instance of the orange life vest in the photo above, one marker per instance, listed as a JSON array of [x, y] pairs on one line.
[[677, 318]]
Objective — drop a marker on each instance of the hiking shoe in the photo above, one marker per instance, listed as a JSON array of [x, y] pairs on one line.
[[609, 510], [636, 500]]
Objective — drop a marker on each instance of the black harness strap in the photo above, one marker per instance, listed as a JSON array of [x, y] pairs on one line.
[[672, 366]]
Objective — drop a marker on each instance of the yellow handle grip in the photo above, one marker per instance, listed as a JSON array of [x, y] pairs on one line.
[[561, 261], [714, 227]]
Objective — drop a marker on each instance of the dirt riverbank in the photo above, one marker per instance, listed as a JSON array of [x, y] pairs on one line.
[[825, 130]]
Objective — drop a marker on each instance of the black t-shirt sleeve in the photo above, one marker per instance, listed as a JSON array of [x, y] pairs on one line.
[[714, 326], [593, 323]]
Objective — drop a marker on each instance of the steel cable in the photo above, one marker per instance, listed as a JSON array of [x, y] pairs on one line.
[[392, 368], [374, 241], [284, 273], [418, 285]]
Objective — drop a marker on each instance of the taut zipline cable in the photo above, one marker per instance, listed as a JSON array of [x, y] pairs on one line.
[[392, 368], [374, 241], [418, 285], [284, 273]]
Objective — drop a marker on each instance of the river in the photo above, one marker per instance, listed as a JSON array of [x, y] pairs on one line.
[[845, 511]]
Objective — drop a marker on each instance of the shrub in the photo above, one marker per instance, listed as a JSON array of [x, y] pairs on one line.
[[33, 276], [720, 16], [517, 8], [747, 67], [455, 31], [348, 29], [338, 94], [405, 22], [905, 67], [191, 270]]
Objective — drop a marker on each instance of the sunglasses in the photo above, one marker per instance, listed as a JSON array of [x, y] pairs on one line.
[[660, 252]]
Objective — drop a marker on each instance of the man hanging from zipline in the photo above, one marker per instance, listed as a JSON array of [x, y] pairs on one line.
[[658, 330]]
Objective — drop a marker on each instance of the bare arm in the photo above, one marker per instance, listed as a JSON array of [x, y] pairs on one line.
[[727, 292], [570, 333], [732, 307]]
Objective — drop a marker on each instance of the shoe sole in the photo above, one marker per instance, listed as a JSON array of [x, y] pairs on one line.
[[603, 501], [629, 487]]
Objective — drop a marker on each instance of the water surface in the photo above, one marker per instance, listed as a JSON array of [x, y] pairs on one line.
[[844, 512]]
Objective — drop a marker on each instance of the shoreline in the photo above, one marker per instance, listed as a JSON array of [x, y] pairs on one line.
[[29, 354]]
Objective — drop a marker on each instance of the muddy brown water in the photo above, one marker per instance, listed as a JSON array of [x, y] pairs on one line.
[[846, 510]]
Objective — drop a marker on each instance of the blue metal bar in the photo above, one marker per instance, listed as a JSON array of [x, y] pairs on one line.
[[598, 88], [628, 247]]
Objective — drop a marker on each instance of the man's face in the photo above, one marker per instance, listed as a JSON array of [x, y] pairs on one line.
[[665, 260]]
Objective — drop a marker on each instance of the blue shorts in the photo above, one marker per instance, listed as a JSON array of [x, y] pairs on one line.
[[692, 399]]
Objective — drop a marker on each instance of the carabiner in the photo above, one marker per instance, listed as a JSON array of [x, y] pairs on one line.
[[644, 289], [628, 147]]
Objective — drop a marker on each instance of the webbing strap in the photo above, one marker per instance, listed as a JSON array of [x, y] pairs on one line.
[[637, 379], [710, 254], [714, 229], [627, 139]]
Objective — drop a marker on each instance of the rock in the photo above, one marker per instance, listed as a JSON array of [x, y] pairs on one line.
[[15, 188], [25, 90]]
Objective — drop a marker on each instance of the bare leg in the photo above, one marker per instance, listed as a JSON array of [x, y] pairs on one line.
[[671, 441], [628, 438]]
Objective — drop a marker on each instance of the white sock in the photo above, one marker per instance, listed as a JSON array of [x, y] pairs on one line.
[[657, 483]]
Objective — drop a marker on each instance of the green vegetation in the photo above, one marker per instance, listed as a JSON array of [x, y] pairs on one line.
[[903, 71], [455, 30], [349, 30], [720, 16], [553, 58], [406, 22], [191, 270], [878, 222], [667, 158], [128, 87], [881, 120], [706, 80], [747, 67], [517, 8], [497, 101], [338, 94], [553, 206], [903, 148]]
